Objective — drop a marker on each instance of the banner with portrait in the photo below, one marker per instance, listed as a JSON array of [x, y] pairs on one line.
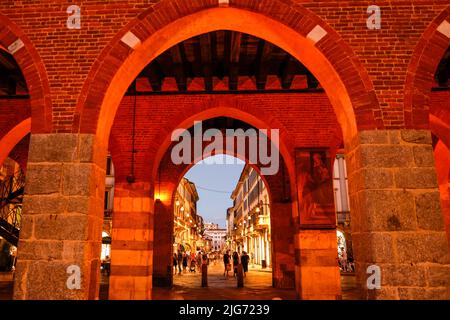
[[315, 189]]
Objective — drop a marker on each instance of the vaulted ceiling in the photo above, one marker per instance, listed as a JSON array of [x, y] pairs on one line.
[[224, 61]]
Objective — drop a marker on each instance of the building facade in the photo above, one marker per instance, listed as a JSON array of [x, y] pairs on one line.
[[188, 224], [342, 204], [217, 236], [108, 208], [250, 225]]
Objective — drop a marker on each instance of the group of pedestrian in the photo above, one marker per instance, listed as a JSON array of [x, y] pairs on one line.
[[184, 260], [236, 259], [346, 263]]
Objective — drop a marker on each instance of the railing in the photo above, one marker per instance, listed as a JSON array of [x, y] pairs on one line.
[[343, 217], [263, 221], [11, 198]]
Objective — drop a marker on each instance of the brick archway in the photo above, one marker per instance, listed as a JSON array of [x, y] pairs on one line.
[[170, 21], [281, 208], [441, 129], [13, 137], [33, 70], [422, 67], [237, 113]]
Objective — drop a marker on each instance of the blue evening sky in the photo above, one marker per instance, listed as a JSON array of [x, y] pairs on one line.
[[212, 206]]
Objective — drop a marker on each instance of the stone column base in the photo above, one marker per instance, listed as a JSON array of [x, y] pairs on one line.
[[397, 222], [60, 239], [317, 272]]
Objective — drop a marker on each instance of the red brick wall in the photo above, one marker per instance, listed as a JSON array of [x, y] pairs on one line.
[[69, 55], [12, 112], [308, 117]]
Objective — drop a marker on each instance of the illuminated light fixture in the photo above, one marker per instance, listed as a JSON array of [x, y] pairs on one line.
[[187, 214], [177, 203], [257, 209], [182, 209], [245, 222], [190, 221], [249, 218]]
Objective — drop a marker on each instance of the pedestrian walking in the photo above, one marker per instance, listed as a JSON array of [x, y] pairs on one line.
[[180, 261], [226, 263], [235, 263], [244, 260], [199, 261], [185, 262], [175, 263]]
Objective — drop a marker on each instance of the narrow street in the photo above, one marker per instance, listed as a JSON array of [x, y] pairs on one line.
[[257, 286]]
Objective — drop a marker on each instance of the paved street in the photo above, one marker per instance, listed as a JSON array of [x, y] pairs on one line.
[[257, 286]]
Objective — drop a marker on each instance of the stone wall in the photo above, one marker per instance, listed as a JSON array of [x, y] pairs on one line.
[[62, 218], [397, 223]]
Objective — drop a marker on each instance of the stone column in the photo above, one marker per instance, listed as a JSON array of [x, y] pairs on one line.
[[397, 222], [283, 263], [62, 218], [132, 243], [163, 246], [317, 271]]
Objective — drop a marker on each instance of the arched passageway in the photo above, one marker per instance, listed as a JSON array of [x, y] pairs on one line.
[[389, 167]]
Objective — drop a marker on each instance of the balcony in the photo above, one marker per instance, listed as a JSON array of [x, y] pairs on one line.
[[263, 221]]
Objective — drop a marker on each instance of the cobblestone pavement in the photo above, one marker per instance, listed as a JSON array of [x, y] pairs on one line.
[[257, 286]]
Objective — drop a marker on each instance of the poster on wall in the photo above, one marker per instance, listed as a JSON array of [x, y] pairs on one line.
[[315, 189]]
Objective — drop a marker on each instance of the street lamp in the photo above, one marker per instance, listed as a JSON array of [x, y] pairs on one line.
[[177, 203]]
